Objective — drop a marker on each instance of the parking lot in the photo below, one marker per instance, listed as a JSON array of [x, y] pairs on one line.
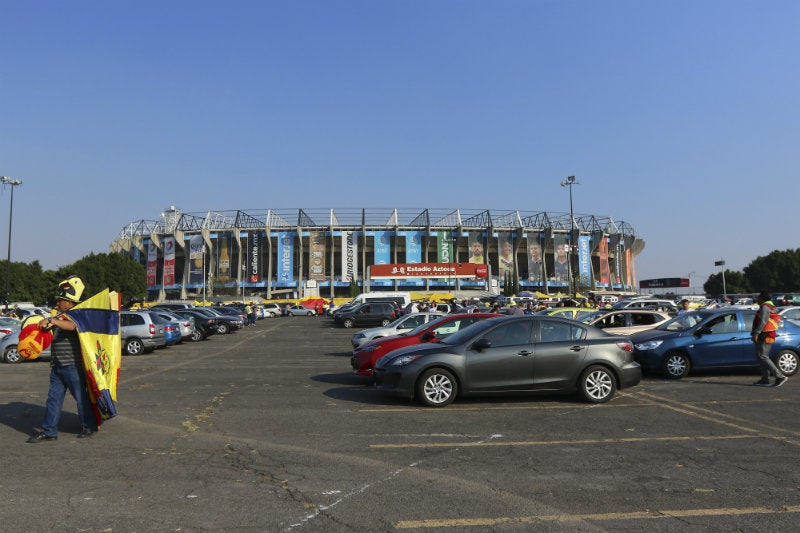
[[268, 430]]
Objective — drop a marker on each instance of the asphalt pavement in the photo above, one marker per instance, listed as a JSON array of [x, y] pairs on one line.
[[268, 430]]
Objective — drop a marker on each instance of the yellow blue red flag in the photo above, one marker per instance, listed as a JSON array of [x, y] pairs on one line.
[[97, 321]]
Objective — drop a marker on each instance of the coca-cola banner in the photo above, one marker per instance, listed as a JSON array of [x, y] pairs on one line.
[[152, 265], [169, 261], [349, 256]]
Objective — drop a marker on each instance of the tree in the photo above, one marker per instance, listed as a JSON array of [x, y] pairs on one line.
[[777, 271], [735, 283]]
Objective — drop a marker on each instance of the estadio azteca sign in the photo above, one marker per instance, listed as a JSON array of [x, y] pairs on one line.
[[429, 270]]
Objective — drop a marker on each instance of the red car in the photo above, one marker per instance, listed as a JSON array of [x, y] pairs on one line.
[[365, 357]]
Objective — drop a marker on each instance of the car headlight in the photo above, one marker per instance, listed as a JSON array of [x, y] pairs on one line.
[[647, 345], [359, 336], [405, 359], [370, 349]]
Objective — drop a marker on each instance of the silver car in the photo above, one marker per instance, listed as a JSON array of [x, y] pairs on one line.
[[402, 325]]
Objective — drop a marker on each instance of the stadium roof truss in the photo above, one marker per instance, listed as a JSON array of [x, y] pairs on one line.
[[373, 218]]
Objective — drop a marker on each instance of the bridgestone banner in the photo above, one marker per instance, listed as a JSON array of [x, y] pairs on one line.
[[349, 256]]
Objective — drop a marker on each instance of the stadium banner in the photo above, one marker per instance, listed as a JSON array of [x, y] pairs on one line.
[[383, 250], [615, 246], [605, 269], [169, 261], [349, 256], [560, 258], [429, 270], [505, 254], [584, 260], [254, 256], [476, 255], [316, 270], [534, 254], [224, 257], [444, 250], [285, 256], [197, 257], [152, 265]]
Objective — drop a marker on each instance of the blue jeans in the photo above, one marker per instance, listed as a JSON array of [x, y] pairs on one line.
[[63, 379]]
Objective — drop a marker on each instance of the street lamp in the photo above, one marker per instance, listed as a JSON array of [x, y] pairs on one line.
[[569, 182], [5, 180], [721, 263]]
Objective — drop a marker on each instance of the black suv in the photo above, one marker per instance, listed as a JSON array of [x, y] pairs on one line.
[[368, 314]]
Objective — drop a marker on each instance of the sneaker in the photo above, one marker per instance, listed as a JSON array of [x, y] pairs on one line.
[[40, 437], [762, 383], [86, 433], [780, 381]]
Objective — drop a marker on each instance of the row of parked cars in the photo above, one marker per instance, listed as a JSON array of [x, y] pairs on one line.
[[434, 357], [143, 331]]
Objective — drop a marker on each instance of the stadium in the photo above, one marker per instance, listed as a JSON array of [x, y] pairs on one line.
[[273, 253]]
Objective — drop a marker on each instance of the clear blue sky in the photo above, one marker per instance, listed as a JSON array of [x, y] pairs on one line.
[[679, 117]]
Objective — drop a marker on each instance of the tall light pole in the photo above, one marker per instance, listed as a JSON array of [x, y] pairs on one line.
[[573, 248], [5, 180], [721, 263]]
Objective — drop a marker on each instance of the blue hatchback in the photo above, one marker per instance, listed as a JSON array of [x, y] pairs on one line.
[[711, 339]]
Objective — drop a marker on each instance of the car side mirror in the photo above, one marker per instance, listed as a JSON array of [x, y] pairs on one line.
[[427, 336], [482, 344]]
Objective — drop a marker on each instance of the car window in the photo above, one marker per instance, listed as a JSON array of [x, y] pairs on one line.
[[560, 332], [792, 314], [643, 319], [725, 323], [413, 321], [510, 334]]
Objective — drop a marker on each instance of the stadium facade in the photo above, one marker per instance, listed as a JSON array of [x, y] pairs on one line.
[[323, 252]]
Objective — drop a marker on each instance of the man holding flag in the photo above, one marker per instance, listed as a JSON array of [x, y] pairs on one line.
[[66, 366]]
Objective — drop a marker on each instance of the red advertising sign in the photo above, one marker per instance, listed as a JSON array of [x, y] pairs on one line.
[[428, 270]]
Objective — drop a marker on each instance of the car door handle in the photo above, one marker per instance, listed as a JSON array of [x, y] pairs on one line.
[[524, 353], [575, 348]]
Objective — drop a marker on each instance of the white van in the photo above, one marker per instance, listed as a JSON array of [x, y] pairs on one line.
[[402, 298]]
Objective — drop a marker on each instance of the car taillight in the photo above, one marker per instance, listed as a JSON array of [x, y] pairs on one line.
[[152, 329], [625, 345]]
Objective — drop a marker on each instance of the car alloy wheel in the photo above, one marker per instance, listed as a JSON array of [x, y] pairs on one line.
[[676, 365], [222, 329], [786, 361], [436, 388], [597, 384], [348, 323], [11, 355], [134, 347], [197, 335]]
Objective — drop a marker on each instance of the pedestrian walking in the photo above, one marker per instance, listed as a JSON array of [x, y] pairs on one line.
[[66, 366], [765, 326]]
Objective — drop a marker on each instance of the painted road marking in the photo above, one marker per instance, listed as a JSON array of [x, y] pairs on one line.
[[639, 515]]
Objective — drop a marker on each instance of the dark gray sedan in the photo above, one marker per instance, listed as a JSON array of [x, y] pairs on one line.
[[515, 354]]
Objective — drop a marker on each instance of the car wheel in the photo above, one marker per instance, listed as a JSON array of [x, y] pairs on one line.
[[197, 335], [786, 361], [309, 314], [676, 365], [222, 329], [597, 384], [134, 346], [436, 388], [348, 323], [385, 322], [11, 355]]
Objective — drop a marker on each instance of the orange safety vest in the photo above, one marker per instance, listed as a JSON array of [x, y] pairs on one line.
[[773, 322]]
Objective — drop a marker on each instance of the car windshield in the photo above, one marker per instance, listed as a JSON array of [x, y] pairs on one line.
[[433, 323], [682, 322], [463, 335], [587, 318]]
